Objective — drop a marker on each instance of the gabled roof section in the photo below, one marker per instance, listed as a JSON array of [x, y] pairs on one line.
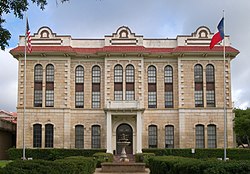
[[123, 36]]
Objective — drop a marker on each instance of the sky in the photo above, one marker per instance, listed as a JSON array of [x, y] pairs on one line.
[[150, 18]]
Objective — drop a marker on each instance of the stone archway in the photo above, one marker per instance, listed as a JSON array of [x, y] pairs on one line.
[[128, 131]]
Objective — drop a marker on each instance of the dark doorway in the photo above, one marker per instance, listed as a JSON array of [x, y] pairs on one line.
[[128, 132]]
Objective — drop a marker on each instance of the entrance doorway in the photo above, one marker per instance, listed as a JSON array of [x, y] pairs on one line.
[[127, 130]]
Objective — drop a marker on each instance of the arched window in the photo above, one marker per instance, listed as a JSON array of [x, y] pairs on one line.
[[96, 136], [168, 78], [199, 133], [211, 136], [210, 87], [152, 136], [49, 98], [169, 136], [118, 74], [79, 136], [37, 135], [38, 83], [79, 87], [130, 82], [152, 99], [49, 135], [198, 80], [96, 84]]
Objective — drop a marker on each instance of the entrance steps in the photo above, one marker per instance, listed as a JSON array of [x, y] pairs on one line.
[[118, 166]]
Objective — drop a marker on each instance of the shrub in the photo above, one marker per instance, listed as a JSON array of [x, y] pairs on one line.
[[183, 165], [63, 166], [143, 157], [101, 157], [233, 154], [51, 154]]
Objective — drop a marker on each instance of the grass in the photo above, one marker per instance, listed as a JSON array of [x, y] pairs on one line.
[[3, 163]]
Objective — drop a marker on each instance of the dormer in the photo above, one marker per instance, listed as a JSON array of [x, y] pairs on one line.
[[123, 37]]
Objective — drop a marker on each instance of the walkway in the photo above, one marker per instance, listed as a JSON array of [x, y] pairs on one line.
[[98, 171]]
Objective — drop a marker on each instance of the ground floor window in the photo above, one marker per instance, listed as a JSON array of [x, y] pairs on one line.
[[79, 136], [152, 136], [96, 136]]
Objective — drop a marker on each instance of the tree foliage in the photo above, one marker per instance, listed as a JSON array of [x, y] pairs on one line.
[[17, 7], [242, 126]]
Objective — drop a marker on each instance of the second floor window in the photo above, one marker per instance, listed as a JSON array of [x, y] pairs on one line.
[[198, 82], [168, 78], [49, 95], [96, 87], [38, 83], [79, 87], [130, 82], [152, 95], [118, 82], [210, 86]]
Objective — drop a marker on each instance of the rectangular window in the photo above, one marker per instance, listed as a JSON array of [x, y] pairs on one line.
[[96, 99], [198, 95], [130, 95], [49, 98], [210, 99], [169, 137], [38, 98], [79, 99], [152, 99], [118, 95]]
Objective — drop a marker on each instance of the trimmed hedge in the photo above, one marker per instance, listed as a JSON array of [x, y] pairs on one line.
[[75, 165], [143, 158], [232, 154], [51, 154], [101, 157], [182, 165]]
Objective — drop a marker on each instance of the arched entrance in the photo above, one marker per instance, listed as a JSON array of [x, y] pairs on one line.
[[128, 131]]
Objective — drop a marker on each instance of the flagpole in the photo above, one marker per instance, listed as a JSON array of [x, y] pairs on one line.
[[224, 84], [24, 93]]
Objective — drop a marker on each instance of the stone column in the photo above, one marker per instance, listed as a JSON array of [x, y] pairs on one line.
[[109, 133], [138, 133]]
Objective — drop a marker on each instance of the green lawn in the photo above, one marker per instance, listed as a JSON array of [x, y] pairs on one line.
[[3, 163]]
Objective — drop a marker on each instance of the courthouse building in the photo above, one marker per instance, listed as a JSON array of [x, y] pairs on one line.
[[159, 92]]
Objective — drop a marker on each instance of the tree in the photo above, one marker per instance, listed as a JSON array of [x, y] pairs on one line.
[[18, 7], [242, 126]]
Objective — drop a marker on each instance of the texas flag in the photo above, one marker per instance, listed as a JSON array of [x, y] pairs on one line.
[[219, 36]]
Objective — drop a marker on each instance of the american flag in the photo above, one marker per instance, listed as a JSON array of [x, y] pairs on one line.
[[28, 37]]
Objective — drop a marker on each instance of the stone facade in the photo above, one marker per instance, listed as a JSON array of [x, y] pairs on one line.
[[125, 48]]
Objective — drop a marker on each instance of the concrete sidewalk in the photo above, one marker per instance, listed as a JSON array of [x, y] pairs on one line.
[[99, 171]]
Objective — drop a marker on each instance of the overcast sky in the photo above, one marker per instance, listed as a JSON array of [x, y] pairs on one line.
[[150, 18]]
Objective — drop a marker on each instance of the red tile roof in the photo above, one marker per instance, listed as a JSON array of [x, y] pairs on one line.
[[9, 116], [125, 49]]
